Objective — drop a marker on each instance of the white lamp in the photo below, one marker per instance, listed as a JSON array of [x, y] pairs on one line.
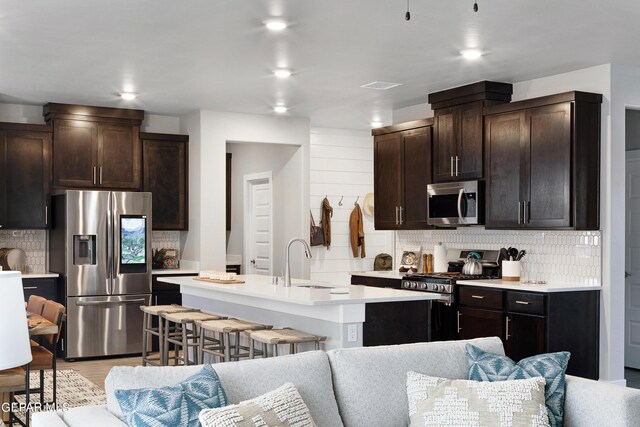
[[15, 349]]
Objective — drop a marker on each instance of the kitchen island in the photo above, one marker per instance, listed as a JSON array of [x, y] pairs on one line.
[[337, 312]]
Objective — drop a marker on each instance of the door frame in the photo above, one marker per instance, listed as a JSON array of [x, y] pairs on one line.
[[630, 156], [248, 181]]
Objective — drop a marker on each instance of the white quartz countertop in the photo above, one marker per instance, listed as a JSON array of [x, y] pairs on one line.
[[39, 275], [547, 287], [174, 271], [260, 287], [390, 274]]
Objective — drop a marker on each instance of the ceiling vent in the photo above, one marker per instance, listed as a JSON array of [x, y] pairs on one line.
[[380, 85]]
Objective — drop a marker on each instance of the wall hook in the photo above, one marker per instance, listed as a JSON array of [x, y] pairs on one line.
[[340, 202], [356, 202]]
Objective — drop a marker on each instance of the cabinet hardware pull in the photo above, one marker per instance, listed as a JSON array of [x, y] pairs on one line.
[[459, 328], [457, 160], [30, 287], [477, 296], [451, 165], [519, 212], [100, 175], [95, 172], [396, 215], [46, 215], [507, 326], [522, 302], [401, 220]]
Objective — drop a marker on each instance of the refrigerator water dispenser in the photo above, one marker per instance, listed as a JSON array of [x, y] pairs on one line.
[[84, 250]]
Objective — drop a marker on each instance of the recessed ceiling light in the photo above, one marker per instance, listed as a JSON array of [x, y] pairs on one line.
[[128, 96], [471, 53], [280, 109], [275, 24], [282, 73], [376, 124]]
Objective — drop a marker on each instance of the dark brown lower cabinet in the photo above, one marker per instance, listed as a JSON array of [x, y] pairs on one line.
[[46, 287], [524, 335], [164, 294], [530, 323], [476, 323]]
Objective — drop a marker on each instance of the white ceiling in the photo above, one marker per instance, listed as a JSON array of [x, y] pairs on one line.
[[182, 56]]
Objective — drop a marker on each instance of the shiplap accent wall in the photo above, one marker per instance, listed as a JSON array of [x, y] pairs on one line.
[[342, 165]]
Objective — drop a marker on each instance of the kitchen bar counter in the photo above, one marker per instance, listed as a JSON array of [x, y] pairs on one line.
[[337, 312], [517, 286]]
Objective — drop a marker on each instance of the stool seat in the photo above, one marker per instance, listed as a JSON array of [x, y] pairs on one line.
[[155, 310], [189, 316], [231, 325], [284, 336]]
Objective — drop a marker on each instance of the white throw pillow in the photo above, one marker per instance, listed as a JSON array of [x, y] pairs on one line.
[[282, 407], [442, 402]]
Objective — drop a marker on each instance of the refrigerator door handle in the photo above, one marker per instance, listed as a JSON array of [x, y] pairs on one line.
[[107, 303], [110, 249]]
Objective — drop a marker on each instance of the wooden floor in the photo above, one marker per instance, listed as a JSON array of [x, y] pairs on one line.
[[96, 370]]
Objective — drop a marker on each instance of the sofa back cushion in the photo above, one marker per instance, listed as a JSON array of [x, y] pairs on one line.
[[370, 383], [308, 371]]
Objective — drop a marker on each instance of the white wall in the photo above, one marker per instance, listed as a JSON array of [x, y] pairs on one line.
[[209, 133], [285, 163], [342, 165], [160, 124], [413, 112], [18, 113]]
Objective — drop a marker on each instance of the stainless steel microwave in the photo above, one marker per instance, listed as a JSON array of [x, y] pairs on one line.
[[455, 203]]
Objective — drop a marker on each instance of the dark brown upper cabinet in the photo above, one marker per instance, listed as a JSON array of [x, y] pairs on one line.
[[402, 170], [95, 147], [25, 175], [165, 173], [543, 163], [458, 128]]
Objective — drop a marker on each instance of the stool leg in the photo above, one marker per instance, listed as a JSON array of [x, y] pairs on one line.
[[201, 345], [165, 348], [162, 357], [227, 345], [251, 349], [317, 345], [145, 327], [265, 349], [185, 346], [275, 350], [292, 348], [42, 387], [237, 350]]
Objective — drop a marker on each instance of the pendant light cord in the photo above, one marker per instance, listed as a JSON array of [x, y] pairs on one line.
[[407, 15]]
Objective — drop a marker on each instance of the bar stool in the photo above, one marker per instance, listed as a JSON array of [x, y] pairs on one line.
[[182, 336], [274, 337], [149, 312], [222, 346]]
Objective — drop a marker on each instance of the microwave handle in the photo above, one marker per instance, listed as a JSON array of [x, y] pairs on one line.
[[460, 195]]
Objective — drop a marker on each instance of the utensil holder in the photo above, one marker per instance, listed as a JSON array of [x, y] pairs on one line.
[[511, 270]]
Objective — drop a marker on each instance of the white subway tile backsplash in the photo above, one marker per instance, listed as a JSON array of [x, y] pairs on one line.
[[32, 242], [166, 239], [559, 256]]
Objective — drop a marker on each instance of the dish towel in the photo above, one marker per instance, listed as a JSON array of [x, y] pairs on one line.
[[356, 231], [325, 221]]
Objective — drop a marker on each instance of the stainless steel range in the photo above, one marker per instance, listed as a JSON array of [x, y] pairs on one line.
[[443, 313]]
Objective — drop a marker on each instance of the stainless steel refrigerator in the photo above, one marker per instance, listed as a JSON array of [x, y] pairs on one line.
[[100, 244]]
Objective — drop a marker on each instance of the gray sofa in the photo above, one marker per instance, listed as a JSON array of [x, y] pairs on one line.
[[351, 387]]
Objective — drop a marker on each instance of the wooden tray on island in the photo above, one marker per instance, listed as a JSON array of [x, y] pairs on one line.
[[224, 282]]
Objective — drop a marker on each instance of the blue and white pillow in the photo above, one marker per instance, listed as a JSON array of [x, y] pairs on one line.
[[171, 406], [485, 366]]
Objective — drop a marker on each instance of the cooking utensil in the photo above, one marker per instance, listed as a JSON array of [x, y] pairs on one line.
[[513, 252], [504, 255], [521, 254], [472, 267]]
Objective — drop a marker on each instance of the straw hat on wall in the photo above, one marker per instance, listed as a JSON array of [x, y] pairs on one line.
[[367, 205]]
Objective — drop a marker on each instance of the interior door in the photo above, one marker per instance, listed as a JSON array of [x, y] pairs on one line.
[[632, 262], [258, 227]]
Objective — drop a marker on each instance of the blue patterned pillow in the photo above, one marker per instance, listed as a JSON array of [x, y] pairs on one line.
[[485, 366], [177, 405]]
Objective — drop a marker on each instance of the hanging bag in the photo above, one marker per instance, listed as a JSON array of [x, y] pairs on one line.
[[316, 234]]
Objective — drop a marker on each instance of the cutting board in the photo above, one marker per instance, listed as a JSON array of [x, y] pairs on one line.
[[224, 282]]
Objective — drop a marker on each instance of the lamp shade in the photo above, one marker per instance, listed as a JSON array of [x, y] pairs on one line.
[[15, 349]]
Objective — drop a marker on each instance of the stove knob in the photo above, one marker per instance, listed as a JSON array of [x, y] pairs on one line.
[[438, 288], [423, 286], [414, 285]]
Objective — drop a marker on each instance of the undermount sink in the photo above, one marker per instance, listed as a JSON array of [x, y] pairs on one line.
[[312, 286]]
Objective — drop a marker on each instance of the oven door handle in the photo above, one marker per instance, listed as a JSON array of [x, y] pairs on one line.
[[460, 195]]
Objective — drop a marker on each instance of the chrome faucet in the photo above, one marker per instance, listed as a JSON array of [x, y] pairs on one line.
[[287, 268]]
